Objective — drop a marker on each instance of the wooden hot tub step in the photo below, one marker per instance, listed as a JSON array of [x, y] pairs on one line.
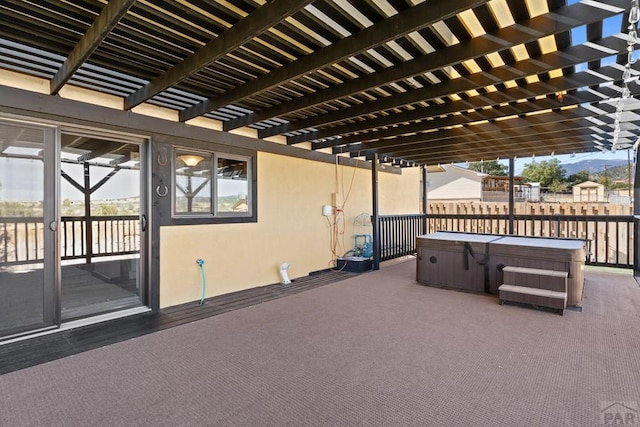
[[534, 296], [538, 287], [536, 278]]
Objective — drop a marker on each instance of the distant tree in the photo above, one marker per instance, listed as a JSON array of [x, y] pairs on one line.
[[547, 172], [578, 177], [606, 181], [608, 176], [558, 186], [104, 210], [490, 167]]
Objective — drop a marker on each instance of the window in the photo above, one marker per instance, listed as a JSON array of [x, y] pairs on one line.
[[197, 195], [232, 185]]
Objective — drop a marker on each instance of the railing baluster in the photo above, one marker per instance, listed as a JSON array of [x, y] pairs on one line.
[[111, 231], [596, 240], [5, 240], [398, 232], [629, 246], [617, 244]]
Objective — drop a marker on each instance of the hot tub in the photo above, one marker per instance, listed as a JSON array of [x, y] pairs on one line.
[[456, 260], [474, 261]]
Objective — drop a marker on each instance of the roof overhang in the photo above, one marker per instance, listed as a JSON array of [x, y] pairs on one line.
[[417, 82]]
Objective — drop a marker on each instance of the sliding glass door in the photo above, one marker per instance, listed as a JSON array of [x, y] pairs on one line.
[[102, 223], [72, 224], [27, 228]]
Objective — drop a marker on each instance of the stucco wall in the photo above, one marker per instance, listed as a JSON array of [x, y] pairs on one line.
[[290, 227], [461, 188], [454, 184]]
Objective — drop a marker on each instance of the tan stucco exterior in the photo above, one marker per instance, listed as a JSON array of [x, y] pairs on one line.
[[454, 184], [290, 228]]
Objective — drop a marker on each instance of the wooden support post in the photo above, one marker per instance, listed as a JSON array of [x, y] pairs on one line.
[[636, 219], [87, 213], [511, 191], [423, 170], [375, 214]]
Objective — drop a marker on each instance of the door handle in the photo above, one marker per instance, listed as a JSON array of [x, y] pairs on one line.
[[143, 221], [53, 226]]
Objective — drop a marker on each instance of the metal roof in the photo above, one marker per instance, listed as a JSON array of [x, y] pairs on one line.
[[418, 82]]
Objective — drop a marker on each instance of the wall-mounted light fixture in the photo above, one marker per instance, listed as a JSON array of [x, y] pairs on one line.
[[191, 160]]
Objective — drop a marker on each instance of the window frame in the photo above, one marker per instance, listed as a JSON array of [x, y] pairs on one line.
[[213, 216]]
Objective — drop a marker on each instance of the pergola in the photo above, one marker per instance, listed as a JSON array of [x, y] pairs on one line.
[[400, 82], [388, 83]]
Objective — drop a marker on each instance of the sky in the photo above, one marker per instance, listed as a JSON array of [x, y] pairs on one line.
[[23, 180], [611, 26], [570, 158]]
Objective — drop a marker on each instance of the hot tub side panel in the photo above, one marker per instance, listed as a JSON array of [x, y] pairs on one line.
[[455, 264]]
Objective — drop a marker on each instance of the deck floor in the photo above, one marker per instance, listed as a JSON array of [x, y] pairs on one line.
[[83, 294], [34, 351], [374, 349]]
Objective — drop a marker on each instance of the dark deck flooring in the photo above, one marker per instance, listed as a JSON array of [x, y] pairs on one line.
[[376, 349], [34, 351], [83, 293]]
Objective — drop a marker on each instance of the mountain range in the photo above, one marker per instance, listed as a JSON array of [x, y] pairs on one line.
[[593, 166]]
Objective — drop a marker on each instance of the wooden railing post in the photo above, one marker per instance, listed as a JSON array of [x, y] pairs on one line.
[[375, 213], [636, 219], [511, 190]]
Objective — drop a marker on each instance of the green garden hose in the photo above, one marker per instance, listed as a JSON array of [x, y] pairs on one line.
[[200, 262]]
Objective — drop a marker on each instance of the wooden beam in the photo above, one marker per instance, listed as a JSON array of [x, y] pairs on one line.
[[69, 140], [9, 136], [446, 154], [488, 132], [566, 147], [523, 32], [559, 84], [97, 32], [506, 113], [543, 144], [52, 108], [106, 147], [562, 59], [525, 138], [405, 22], [469, 143], [126, 157], [259, 21]]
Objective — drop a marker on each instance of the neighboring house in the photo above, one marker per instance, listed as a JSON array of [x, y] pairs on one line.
[[589, 192], [496, 189], [454, 183], [499, 183]]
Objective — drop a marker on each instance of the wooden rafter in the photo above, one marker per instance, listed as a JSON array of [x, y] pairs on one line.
[[248, 28], [523, 32], [556, 60], [410, 20], [97, 32]]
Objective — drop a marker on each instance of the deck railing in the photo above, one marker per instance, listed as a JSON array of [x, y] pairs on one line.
[[22, 238], [398, 234], [609, 237]]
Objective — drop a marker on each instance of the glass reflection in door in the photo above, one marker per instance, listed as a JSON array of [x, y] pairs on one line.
[[27, 298], [101, 217]]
